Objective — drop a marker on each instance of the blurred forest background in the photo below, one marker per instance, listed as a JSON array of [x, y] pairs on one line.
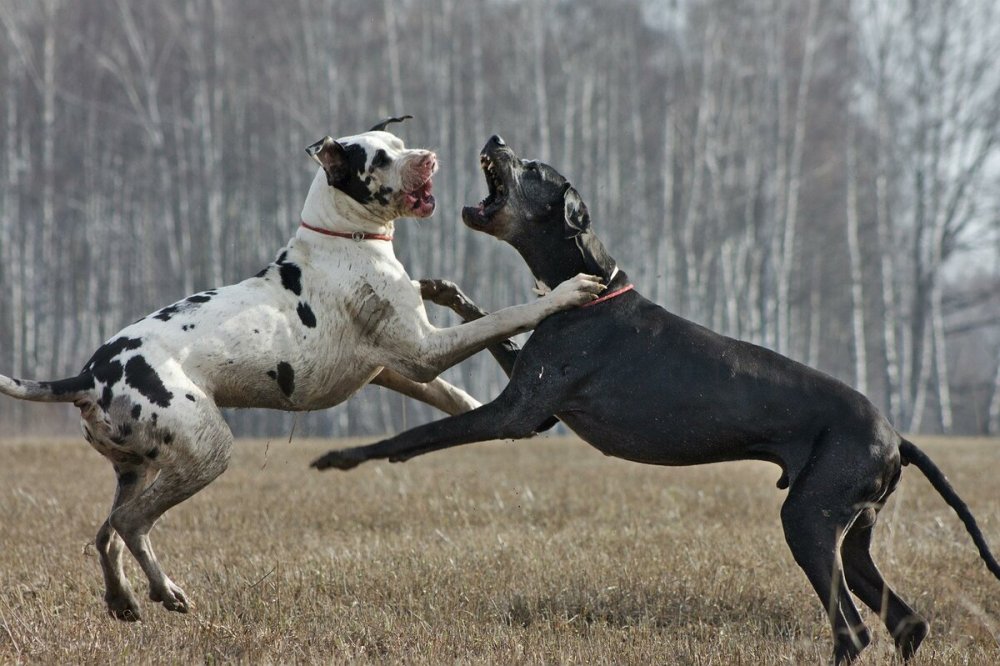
[[818, 177]]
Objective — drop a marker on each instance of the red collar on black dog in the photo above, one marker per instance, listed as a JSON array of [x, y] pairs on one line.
[[608, 297], [353, 235]]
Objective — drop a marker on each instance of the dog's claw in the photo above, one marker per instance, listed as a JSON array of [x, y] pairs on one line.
[[172, 598]]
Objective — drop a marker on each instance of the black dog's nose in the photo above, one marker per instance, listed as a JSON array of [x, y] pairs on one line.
[[496, 140]]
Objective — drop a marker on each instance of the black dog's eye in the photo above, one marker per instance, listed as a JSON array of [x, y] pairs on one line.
[[380, 160]]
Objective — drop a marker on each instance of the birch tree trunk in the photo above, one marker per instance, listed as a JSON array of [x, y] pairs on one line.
[[790, 227], [666, 255], [14, 261], [392, 50], [854, 255], [541, 88], [993, 411]]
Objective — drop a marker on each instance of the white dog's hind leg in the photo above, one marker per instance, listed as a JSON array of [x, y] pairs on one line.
[[194, 458], [118, 593], [437, 392]]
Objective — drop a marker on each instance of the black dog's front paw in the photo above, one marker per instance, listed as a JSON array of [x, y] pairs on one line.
[[442, 292], [343, 459]]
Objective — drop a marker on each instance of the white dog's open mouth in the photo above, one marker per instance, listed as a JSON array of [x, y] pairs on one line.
[[420, 201]]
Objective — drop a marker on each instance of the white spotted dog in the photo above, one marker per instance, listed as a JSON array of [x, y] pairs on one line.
[[334, 311]]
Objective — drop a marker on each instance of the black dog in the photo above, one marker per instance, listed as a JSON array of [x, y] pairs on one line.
[[640, 383]]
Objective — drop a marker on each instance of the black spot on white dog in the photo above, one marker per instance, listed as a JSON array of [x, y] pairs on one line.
[[108, 373], [187, 327], [106, 397], [110, 350], [153, 452], [189, 397], [380, 160], [167, 313], [141, 376], [127, 478], [189, 303], [285, 376], [262, 272], [382, 196], [168, 438], [351, 182], [306, 315], [291, 278], [136, 411]]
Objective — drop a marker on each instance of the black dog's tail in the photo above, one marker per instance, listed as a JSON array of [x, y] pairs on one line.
[[63, 390], [911, 454]]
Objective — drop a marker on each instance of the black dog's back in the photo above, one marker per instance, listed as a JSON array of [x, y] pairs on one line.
[[653, 387]]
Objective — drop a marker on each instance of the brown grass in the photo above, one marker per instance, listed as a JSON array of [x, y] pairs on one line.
[[542, 551]]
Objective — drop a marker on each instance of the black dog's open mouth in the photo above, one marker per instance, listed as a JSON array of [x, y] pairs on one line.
[[495, 199]]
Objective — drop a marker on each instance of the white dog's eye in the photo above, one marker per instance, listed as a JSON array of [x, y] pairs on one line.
[[380, 160]]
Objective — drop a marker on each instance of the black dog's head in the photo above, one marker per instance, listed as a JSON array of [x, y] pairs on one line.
[[378, 172], [534, 208]]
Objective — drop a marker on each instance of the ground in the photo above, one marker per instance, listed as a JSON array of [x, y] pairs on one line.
[[540, 551]]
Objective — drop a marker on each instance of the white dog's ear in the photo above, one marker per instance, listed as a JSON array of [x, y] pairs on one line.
[[380, 127], [575, 213], [314, 150], [331, 156]]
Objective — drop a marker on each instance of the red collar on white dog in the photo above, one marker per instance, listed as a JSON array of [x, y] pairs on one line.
[[356, 236]]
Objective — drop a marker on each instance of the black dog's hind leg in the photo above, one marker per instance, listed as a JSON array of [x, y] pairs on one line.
[[820, 507], [908, 628], [510, 416]]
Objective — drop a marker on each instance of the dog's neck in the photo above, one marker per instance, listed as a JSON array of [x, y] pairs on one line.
[[330, 209], [553, 263]]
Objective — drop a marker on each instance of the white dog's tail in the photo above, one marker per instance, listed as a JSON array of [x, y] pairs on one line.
[[63, 390]]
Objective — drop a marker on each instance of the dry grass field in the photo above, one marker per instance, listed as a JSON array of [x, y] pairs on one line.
[[536, 552]]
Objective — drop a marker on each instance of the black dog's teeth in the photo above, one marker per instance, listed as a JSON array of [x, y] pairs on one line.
[[493, 181]]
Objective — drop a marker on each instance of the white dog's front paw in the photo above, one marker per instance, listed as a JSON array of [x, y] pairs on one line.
[[576, 291]]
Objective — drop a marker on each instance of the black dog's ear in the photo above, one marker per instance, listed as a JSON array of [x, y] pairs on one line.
[[331, 157], [575, 213], [382, 125]]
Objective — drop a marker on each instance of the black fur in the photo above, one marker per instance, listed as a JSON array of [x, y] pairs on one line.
[[141, 376]]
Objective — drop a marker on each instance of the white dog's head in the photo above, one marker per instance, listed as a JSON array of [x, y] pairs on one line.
[[378, 173]]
